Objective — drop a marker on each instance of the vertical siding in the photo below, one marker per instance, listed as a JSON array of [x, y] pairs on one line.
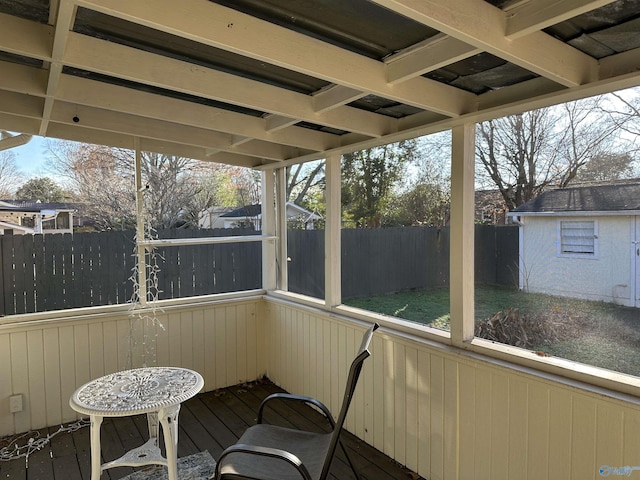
[[6, 421], [605, 277], [450, 416], [47, 361], [441, 413]]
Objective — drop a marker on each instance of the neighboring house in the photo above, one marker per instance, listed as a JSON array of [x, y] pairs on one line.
[[251, 216], [490, 207], [19, 217], [582, 242], [208, 218]]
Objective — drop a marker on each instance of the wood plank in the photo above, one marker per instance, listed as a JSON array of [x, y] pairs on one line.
[[82, 444], [39, 465], [112, 448], [29, 274], [57, 267], [18, 274], [67, 269], [13, 469], [196, 431], [63, 455], [211, 421], [37, 391]]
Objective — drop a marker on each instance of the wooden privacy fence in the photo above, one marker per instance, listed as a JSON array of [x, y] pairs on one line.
[[388, 260], [51, 272]]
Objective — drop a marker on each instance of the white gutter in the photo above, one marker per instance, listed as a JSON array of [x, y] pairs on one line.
[[11, 141]]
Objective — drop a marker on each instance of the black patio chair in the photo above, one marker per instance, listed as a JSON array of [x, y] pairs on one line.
[[270, 452]]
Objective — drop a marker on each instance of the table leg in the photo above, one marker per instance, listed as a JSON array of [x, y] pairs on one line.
[[152, 423], [96, 464], [168, 418]]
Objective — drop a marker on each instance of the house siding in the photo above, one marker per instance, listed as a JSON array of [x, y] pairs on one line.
[[46, 361], [606, 277], [443, 412], [447, 415]]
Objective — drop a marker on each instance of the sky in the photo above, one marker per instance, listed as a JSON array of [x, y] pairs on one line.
[[31, 158]]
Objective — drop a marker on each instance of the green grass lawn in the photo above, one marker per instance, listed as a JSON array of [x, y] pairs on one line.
[[602, 334]]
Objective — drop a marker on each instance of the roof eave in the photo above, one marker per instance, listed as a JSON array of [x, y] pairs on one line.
[[572, 213]]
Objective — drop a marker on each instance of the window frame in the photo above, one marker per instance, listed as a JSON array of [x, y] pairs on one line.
[[568, 254]]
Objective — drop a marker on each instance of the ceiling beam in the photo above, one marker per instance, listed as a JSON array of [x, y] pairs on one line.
[[169, 131], [437, 52], [533, 15], [482, 25], [24, 37], [81, 91], [142, 67], [113, 139], [64, 20], [17, 123], [136, 102], [622, 64], [273, 123], [23, 79], [21, 104], [335, 96], [228, 29]]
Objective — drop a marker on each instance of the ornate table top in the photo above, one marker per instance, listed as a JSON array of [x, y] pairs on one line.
[[140, 390]]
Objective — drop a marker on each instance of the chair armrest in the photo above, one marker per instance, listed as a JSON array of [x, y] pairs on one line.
[[276, 453], [297, 398]]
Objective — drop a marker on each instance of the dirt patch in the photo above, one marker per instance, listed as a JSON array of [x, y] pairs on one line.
[[531, 330]]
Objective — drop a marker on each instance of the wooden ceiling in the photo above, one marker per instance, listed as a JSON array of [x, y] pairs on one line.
[[272, 82]]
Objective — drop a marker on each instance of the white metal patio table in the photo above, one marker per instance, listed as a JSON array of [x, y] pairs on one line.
[[156, 391]]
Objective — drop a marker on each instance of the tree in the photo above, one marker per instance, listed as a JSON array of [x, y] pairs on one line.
[[425, 204], [247, 185], [175, 189], [423, 195], [41, 189], [303, 179], [9, 174], [102, 179], [524, 154], [607, 167], [624, 110], [170, 187], [219, 187], [368, 177], [305, 187]]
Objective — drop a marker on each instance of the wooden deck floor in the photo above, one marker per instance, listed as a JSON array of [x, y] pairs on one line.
[[211, 421]]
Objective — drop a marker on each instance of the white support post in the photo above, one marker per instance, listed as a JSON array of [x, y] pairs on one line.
[[462, 233], [269, 267], [140, 237], [332, 233], [281, 230]]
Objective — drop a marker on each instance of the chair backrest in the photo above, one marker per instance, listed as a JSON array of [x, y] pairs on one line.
[[352, 381]]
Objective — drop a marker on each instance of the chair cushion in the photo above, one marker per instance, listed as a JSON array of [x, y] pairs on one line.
[[310, 448]]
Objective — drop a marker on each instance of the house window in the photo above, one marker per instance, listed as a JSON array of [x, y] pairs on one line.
[[577, 238], [62, 220]]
